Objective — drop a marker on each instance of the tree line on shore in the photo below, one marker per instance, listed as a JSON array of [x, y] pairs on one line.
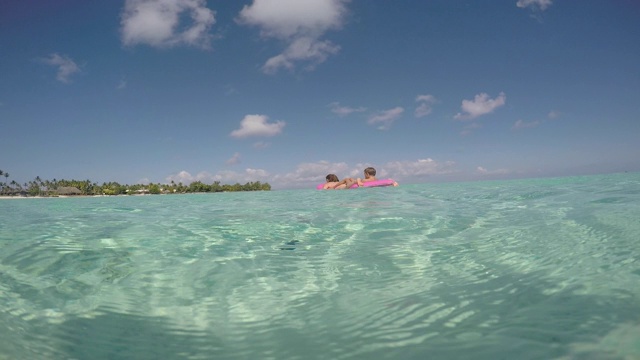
[[39, 187]]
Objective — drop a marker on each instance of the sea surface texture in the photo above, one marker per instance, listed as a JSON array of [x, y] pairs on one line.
[[523, 269]]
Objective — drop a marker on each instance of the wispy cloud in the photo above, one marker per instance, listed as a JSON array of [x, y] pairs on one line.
[[122, 84], [235, 159], [340, 110], [385, 119], [181, 177], [300, 24], [521, 124], [534, 4], [553, 114], [257, 125], [261, 145], [225, 177], [480, 105], [425, 103], [316, 171], [66, 66], [161, 23], [248, 175], [482, 171], [418, 168], [470, 128]]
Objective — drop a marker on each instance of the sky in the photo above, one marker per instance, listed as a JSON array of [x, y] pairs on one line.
[[287, 91]]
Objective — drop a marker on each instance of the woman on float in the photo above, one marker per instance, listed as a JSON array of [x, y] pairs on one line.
[[334, 184]]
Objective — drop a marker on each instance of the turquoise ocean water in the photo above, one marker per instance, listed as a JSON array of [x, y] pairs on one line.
[[526, 269]]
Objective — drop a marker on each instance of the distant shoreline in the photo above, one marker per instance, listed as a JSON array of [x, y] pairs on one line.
[[8, 197], [51, 197], [2, 197]]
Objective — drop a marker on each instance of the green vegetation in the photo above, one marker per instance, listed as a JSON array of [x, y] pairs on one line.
[[39, 187]]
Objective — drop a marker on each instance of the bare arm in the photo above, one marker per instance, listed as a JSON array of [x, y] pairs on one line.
[[330, 185]]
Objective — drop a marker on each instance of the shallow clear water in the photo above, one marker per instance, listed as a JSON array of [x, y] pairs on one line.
[[527, 269]]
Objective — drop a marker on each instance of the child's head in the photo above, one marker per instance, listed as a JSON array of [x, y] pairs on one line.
[[332, 178], [369, 172]]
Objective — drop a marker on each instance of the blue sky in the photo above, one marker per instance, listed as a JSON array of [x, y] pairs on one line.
[[286, 91]]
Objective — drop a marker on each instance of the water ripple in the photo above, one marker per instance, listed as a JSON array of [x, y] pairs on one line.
[[532, 269]]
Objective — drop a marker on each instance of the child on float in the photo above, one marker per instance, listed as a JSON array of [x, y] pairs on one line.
[[370, 175]]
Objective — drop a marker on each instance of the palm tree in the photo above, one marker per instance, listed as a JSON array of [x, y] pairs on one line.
[[36, 184]]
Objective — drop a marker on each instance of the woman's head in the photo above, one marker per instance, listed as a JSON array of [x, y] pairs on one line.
[[332, 178]]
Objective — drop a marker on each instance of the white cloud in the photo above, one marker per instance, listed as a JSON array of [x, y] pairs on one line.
[[302, 49], [336, 108], [480, 105], [385, 118], [256, 173], [66, 66], [521, 124], [288, 18], [181, 177], [235, 159], [160, 23], [257, 125], [425, 103], [225, 177], [300, 24], [122, 84], [534, 4], [306, 174]]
